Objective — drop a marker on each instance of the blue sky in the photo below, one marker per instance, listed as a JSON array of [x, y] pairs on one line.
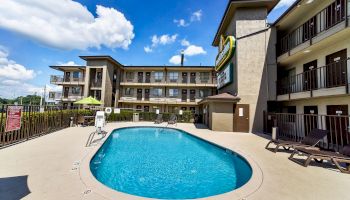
[[55, 32]]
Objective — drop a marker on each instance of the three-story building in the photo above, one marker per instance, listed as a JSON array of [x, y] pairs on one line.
[[146, 88]]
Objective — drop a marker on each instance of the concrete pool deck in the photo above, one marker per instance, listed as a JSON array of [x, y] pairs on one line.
[[54, 167]]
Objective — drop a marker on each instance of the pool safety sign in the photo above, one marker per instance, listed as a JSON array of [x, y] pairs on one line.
[[13, 118], [225, 76]]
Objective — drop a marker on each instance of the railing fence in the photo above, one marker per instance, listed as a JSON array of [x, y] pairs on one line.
[[35, 121], [296, 126]]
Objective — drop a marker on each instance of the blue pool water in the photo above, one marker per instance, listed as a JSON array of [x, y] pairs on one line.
[[167, 164]]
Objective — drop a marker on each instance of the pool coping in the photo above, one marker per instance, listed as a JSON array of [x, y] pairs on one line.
[[93, 185]]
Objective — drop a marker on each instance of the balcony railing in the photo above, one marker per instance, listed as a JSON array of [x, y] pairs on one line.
[[171, 80], [96, 83], [296, 126], [54, 79], [329, 76], [330, 16]]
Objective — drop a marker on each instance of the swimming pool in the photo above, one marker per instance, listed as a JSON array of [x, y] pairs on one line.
[[168, 164]]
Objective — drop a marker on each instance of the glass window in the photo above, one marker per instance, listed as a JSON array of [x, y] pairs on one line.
[[158, 76], [203, 93], [173, 92], [157, 92], [129, 75], [75, 90], [173, 76], [129, 91], [51, 95], [76, 74], [204, 76]]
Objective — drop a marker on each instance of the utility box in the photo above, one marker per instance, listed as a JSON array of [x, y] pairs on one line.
[[136, 117]]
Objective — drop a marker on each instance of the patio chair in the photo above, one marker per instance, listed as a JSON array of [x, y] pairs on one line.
[[320, 155], [81, 120], [172, 119], [311, 140], [159, 119]]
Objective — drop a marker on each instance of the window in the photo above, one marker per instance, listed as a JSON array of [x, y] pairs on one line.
[[204, 76], [173, 76], [129, 91], [173, 92], [157, 92], [76, 74], [203, 93], [51, 95], [158, 76], [129, 76], [75, 90]]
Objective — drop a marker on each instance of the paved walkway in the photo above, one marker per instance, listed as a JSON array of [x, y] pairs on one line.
[[47, 167]]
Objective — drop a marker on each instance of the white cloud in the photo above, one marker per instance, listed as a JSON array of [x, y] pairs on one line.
[[196, 16], [160, 40], [185, 42], [13, 77], [10, 70], [181, 22], [147, 49], [66, 24], [193, 50], [176, 60], [163, 39], [284, 3], [69, 63]]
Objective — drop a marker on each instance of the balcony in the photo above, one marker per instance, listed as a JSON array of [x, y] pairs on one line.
[[96, 83], [58, 96], [64, 80], [329, 20], [332, 79], [170, 81]]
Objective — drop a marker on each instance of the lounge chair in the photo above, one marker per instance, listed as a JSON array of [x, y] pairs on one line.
[[320, 155], [311, 140], [159, 119], [172, 119]]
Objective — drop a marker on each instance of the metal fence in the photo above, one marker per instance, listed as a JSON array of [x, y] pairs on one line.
[[296, 126], [35, 121]]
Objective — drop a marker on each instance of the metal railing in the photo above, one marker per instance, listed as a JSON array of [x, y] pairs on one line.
[[329, 76], [296, 126], [35, 121], [171, 80], [55, 79], [327, 18], [96, 83]]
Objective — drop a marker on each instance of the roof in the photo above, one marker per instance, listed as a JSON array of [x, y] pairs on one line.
[[222, 97], [66, 67], [231, 7], [286, 12], [101, 57]]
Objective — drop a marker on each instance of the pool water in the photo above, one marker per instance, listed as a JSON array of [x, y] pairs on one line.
[[167, 163]]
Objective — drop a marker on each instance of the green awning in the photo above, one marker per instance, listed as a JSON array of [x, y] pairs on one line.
[[89, 101]]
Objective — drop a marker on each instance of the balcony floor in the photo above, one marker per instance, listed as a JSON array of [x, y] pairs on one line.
[[48, 163]]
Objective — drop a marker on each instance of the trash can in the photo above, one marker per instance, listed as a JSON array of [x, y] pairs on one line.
[[135, 117]]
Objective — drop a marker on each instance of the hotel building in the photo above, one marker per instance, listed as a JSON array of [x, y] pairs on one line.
[[146, 88], [298, 65]]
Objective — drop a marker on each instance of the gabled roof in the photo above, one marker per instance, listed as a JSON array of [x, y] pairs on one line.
[[224, 97], [232, 6]]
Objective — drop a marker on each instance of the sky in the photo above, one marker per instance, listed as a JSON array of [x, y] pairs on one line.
[[35, 34]]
